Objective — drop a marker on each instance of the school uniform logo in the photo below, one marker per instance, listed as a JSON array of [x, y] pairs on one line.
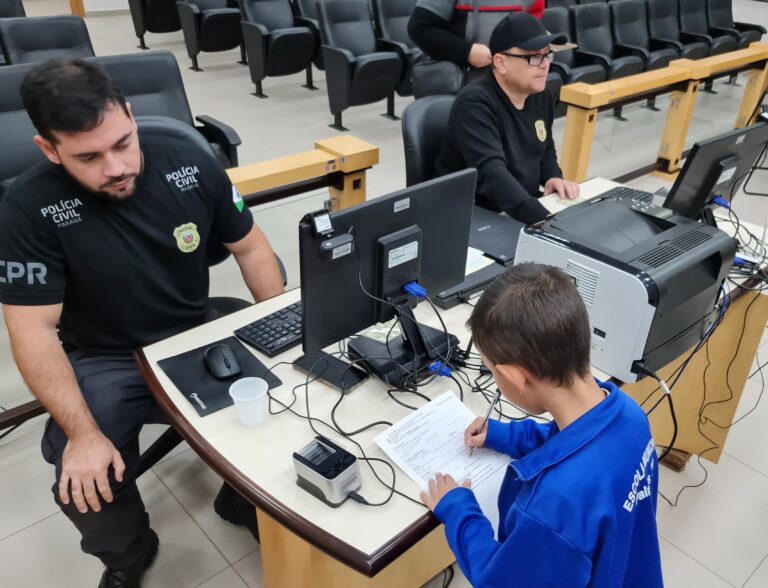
[[541, 130], [237, 200], [187, 237]]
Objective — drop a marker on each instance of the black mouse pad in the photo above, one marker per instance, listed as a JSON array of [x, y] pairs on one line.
[[207, 394]]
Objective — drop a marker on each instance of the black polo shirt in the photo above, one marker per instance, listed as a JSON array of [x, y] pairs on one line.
[[128, 272], [512, 149]]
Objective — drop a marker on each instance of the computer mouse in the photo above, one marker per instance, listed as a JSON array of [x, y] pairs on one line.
[[222, 362]]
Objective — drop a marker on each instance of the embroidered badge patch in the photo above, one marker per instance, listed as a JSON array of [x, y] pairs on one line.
[[541, 130], [237, 199], [187, 237]]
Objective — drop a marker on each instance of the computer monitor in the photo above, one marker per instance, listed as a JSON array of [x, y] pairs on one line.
[[355, 263], [715, 167]]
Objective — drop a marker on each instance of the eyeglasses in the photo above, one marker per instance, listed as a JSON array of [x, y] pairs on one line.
[[534, 60]]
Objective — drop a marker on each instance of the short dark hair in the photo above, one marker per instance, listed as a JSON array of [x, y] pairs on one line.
[[68, 96], [533, 316]]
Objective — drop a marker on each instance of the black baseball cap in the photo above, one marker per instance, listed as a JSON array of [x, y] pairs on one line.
[[523, 31]]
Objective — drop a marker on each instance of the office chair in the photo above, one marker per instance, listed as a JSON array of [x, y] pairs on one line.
[[19, 152], [425, 123], [629, 24], [210, 26], [307, 16], [720, 17], [33, 39], [274, 44], [10, 9], [571, 66], [693, 20], [559, 4], [664, 27], [153, 16], [592, 32], [358, 68], [152, 83], [392, 18]]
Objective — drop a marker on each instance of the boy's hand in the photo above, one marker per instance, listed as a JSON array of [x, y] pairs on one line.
[[439, 487], [476, 433]]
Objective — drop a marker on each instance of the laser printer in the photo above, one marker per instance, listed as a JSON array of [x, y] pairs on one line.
[[650, 278]]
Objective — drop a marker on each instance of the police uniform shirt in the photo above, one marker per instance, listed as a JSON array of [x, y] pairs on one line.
[[511, 149], [129, 272]]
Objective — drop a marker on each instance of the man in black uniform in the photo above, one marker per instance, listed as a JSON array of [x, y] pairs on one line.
[[444, 30], [502, 124], [107, 240]]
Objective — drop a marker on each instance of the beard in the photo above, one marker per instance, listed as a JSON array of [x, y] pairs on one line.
[[102, 192]]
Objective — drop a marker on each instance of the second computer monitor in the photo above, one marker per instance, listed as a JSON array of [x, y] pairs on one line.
[[337, 286], [716, 167]]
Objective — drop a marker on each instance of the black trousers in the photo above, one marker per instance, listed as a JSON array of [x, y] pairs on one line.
[[121, 404]]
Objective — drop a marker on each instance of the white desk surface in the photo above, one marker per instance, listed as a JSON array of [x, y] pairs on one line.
[[264, 454]]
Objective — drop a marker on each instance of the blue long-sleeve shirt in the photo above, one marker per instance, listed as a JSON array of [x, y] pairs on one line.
[[577, 507]]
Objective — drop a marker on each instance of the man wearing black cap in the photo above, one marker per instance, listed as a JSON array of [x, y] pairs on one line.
[[502, 124]]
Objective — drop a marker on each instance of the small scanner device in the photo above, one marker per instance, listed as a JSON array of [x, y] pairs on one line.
[[327, 471]]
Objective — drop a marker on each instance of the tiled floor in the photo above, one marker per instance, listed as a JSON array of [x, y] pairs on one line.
[[716, 537]]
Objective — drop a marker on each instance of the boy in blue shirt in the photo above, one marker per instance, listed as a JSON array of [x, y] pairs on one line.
[[578, 503]]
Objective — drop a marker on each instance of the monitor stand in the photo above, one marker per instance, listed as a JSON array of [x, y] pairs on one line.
[[708, 217], [411, 353]]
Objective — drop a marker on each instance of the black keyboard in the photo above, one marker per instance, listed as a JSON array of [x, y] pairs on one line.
[[274, 333]]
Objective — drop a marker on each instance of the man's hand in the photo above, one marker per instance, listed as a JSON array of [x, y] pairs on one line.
[[476, 433], [479, 56], [439, 487], [84, 467], [565, 189]]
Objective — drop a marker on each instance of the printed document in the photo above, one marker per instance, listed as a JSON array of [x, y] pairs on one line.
[[431, 440]]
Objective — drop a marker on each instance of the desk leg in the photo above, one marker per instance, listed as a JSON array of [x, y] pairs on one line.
[[351, 192], [721, 368], [679, 113], [77, 8], [289, 561], [757, 82], [577, 144]]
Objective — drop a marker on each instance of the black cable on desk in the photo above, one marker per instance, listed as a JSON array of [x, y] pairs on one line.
[[705, 404]]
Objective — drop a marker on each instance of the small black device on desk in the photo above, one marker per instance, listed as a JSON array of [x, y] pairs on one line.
[[473, 284], [494, 234], [274, 333], [331, 370], [326, 471]]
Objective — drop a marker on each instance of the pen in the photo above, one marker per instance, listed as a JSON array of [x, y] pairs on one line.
[[487, 416]]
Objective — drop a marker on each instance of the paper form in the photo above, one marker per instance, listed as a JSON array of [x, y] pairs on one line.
[[431, 440], [476, 261]]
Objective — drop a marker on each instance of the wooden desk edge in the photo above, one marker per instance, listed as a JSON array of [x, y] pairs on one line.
[[612, 91], [345, 154], [368, 565], [678, 71]]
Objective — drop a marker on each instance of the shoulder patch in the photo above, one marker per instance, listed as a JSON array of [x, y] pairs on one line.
[[237, 200]]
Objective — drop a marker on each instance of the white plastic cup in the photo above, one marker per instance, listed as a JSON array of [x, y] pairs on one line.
[[251, 400]]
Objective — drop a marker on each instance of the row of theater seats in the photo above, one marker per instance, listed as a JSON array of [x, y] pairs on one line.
[[625, 37], [32, 39], [367, 53], [362, 44]]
